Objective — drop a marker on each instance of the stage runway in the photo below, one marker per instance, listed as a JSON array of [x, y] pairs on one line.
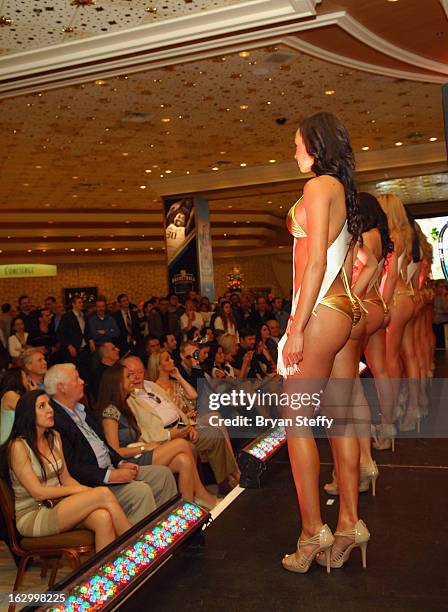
[[239, 567]]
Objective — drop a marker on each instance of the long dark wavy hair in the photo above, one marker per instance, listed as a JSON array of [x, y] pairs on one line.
[[12, 381], [24, 426], [415, 240], [327, 140], [111, 392], [373, 216]]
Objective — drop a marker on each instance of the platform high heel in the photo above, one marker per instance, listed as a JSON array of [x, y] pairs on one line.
[[300, 563], [384, 437], [360, 535], [368, 475]]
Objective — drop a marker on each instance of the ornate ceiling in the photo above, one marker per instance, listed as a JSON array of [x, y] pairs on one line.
[[221, 121]]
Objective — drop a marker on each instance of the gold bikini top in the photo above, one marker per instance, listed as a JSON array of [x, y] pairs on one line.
[[291, 223]]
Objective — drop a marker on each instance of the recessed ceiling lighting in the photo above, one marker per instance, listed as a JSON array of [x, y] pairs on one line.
[[399, 144], [126, 249], [100, 82], [272, 161], [38, 167], [168, 171], [188, 172], [113, 249], [215, 168], [365, 148], [329, 92], [224, 235], [148, 171], [72, 250], [269, 201], [165, 119], [243, 165], [244, 54], [223, 152], [125, 154], [142, 186], [244, 106], [75, 177], [29, 250], [269, 103], [100, 249], [86, 249], [433, 139], [151, 248]]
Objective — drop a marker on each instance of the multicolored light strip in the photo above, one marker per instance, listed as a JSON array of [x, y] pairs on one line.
[[146, 548], [263, 448]]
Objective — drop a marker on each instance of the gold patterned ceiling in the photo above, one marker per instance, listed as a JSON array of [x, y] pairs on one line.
[[110, 146], [41, 23]]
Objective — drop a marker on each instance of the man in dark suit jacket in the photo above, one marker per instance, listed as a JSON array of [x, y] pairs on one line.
[[91, 461], [130, 338], [72, 336]]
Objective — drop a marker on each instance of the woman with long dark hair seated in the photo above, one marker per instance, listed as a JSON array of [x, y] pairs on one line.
[[47, 499], [123, 435], [14, 385]]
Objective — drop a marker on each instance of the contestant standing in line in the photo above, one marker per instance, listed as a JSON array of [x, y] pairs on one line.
[[325, 224]]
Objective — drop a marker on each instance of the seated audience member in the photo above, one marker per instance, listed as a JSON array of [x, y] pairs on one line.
[[102, 326], [273, 340], [34, 366], [225, 322], [47, 499], [203, 352], [152, 345], [214, 366], [163, 321], [261, 314], [130, 337], [265, 344], [280, 314], [14, 384], [140, 490], [108, 355], [189, 366], [243, 312], [123, 435], [191, 319], [171, 394], [43, 336], [229, 345], [50, 304], [169, 343], [18, 340], [73, 336], [247, 344]]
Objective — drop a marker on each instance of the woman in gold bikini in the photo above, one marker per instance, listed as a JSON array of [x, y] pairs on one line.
[[402, 305], [325, 225]]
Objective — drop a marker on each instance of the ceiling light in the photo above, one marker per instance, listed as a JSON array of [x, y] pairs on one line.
[[329, 92], [75, 177], [188, 172], [433, 139], [272, 161], [269, 202], [224, 235], [151, 248], [142, 186], [244, 54], [38, 167], [100, 249], [126, 249], [243, 165], [29, 250], [86, 249], [268, 103], [113, 249], [148, 171], [244, 106], [215, 168], [100, 82], [398, 144], [125, 154], [365, 148], [165, 119], [168, 171], [72, 250]]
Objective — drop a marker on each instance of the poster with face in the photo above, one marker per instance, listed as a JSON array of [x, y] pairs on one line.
[[179, 225]]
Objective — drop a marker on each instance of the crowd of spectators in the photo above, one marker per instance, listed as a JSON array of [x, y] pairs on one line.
[[94, 395]]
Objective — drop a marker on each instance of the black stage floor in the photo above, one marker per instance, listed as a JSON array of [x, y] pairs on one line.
[[239, 567]]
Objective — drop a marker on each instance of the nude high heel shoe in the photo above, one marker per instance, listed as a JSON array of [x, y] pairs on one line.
[[300, 563], [384, 437], [360, 535], [368, 474]]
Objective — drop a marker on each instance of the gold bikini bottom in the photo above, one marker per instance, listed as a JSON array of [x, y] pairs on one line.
[[346, 305], [409, 292], [378, 301]]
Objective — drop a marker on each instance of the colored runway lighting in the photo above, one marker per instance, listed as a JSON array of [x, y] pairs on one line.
[[118, 572], [253, 458]]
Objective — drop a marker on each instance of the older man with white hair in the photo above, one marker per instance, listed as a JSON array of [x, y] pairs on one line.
[[139, 489]]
